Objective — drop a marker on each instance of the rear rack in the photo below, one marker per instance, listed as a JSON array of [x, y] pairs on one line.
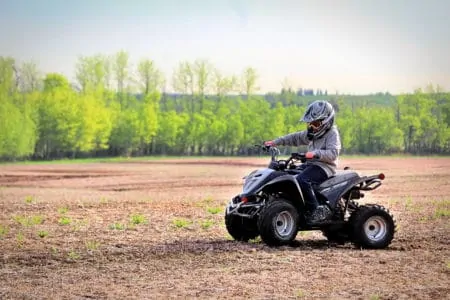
[[370, 185], [371, 182]]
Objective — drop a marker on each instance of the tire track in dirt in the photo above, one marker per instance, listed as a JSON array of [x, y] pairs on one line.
[[173, 185], [232, 163]]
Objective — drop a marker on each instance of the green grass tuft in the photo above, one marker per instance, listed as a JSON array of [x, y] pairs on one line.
[[181, 223], [442, 212], [300, 293], [42, 233], [214, 210], [63, 210], [117, 226], [65, 221], [205, 224], [73, 255], [137, 219], [30, 200], [92, 245], [3, 230], [28, 221]]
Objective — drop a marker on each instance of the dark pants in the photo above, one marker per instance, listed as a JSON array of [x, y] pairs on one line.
[[309, 176]]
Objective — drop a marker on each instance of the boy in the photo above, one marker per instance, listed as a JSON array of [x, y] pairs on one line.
[[323, 140]]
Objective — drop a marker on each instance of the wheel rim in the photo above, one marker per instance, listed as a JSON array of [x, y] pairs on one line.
[[284, 224], [375, 228]]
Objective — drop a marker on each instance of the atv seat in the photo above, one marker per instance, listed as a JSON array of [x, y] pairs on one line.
[[339, 177]]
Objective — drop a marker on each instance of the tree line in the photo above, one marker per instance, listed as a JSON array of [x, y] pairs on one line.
[[116, 109]]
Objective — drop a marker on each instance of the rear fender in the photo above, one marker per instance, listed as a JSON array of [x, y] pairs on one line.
[[336, 192]]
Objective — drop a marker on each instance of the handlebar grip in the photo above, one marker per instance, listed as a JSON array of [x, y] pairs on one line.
[[296, 155], [303, 155]]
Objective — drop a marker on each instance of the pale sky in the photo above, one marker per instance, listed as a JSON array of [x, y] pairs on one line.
[[357, 47]]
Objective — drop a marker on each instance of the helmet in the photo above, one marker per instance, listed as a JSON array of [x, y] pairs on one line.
[[320, 117]]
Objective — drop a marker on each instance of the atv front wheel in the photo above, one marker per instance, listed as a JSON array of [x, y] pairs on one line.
[[373, 227], [240, 228], [278, 223]]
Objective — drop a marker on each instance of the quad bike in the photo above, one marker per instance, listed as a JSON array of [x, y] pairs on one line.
[[271, 206]]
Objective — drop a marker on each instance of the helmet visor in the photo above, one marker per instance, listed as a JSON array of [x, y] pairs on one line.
[[315, 123]]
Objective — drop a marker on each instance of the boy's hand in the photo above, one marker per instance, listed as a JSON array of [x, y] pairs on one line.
[[309, 155]]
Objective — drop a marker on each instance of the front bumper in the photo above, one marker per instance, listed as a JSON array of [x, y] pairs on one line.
[[246, 209]]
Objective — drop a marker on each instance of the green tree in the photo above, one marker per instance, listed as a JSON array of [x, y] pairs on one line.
[[91, 73], [150, 78], [249, 81]]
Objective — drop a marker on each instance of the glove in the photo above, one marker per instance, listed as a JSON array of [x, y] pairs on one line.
[[309, 155], [269, 144]]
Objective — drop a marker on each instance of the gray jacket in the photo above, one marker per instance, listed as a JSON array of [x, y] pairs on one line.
[[327, 147]]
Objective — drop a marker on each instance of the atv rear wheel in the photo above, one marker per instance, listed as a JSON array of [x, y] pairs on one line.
[[240, 228], [373, 227], [278, 223]]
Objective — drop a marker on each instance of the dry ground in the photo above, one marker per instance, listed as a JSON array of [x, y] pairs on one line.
[[154, 229]]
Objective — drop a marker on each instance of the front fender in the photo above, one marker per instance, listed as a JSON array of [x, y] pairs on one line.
[[286, 184]]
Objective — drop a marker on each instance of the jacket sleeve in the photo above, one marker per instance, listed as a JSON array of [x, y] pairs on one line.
[[332, 148], [293, 139]]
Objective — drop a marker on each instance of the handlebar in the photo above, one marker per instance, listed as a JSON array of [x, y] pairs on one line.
[[295, 156], [300, 156]]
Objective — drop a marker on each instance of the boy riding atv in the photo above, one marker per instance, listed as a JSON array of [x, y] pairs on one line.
[[324, 144]]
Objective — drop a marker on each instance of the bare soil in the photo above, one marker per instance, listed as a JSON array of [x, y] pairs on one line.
[[67, 231]]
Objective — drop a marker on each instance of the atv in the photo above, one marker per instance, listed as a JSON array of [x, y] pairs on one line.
[[272, 206]]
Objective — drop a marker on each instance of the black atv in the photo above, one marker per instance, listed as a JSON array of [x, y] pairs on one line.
[[271, 205]]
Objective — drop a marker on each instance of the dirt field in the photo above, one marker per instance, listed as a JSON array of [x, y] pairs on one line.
[[155, 229]]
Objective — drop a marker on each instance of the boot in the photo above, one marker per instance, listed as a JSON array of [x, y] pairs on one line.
[[320, 214]]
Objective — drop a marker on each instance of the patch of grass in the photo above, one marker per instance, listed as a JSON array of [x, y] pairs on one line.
[[214, 210], [65, 221], [205, 224], [304, 233], [393, 202], [28, 221], [63, 210], [423, 219], [92, 245], [73, 255], [137, 219], [104, 200], [42, 233], [30, 200], [442, 212], [208, 200], [146, 200], [442, 208], [256, 240], [300, 293], [181, 223], [117, 226], [204, 202], [408, 203], [448, 265], [374, 297], [77, 225], [3, 231], [20, 238], [445, 203]]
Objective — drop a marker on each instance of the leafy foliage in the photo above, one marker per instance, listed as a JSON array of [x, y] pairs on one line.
[[113, 109]]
